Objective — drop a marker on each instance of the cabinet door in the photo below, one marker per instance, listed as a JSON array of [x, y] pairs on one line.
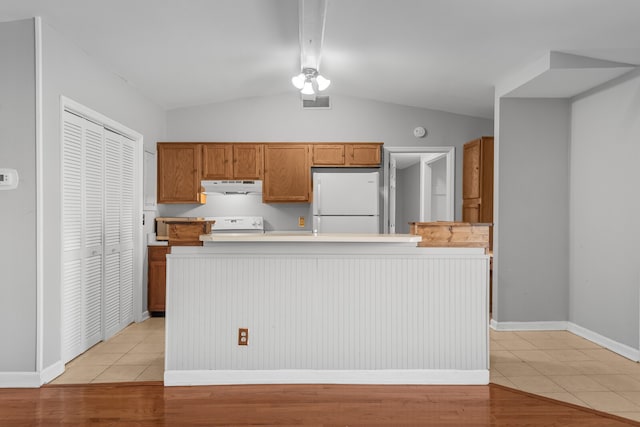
[[217, 161], [328, 155], [156, 291], [471, 211], [247, 161], [179, 173], [471, 170], [287, 173], [363, 154]]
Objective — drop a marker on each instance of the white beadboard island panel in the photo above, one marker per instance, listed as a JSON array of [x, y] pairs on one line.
[[326, 313]]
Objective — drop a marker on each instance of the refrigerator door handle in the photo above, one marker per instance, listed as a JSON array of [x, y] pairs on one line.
[[319, 198], [317, 224]]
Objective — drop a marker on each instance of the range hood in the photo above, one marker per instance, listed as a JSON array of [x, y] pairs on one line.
[[232, 187]]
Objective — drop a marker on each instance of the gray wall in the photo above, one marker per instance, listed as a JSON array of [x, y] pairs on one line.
[[605, 174], [18, 207], [69, 72], [438, 189], [281, 119], [532, 255], [408, 186]]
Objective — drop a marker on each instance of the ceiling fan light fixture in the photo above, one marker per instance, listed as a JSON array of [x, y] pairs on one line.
[[307, 89], [322, 82], [298, 81], [309, 81]]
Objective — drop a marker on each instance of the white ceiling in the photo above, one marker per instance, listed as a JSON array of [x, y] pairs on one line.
[[440, 54]]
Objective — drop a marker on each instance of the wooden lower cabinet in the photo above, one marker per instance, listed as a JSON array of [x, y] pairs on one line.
[[157, 278]]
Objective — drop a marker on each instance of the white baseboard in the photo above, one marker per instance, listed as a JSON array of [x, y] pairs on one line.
[[529, 326], [292, 376], [19, 380], [51, 372], [619, 348], [616, 347], [144, 316]]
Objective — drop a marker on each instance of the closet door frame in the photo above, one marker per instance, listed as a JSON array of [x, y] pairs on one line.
[[67, 104]]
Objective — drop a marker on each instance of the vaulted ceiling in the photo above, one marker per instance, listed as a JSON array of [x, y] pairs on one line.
[[441, 54]]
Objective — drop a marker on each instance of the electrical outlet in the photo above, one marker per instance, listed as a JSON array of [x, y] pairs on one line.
[[300, 221], [243, 336]]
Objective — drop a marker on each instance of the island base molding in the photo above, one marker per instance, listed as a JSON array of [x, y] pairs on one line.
[[309, 376]]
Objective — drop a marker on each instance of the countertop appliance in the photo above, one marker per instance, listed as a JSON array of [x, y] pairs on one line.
[[237, 224], [346, 202], [233, 186]]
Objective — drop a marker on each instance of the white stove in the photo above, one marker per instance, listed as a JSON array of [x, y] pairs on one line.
[[237, 224]]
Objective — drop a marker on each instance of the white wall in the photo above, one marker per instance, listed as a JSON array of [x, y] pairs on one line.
[[69, 72], [18, 207], [605, 174], [531, 273], [281, 119]]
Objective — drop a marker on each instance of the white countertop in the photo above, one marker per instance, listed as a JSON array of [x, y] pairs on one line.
[[311, 237]]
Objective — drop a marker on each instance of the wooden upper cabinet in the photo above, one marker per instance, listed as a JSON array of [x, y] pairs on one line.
[[179, 173], [362, 154], [328, 155], [247, 161], [287, 173], [232, 161], [477, 180], [347, 154], [217, 161]]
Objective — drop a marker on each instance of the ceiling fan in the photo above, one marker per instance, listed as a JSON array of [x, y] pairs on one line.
[[311, 15]]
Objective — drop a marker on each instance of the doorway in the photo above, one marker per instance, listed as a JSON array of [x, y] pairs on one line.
[[101, 243], [419, 186]]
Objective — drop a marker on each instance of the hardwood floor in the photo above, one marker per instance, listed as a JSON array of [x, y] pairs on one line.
[[151, 404]]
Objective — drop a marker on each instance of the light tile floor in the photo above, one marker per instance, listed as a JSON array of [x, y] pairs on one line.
[[555, 364], [134, 354], [563, 366]]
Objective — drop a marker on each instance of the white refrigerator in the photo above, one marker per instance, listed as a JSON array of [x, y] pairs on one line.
[[346, 202]]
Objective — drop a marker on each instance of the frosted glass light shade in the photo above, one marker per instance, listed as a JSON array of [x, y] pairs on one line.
[[322, 82], [298, 81], [307, 89]]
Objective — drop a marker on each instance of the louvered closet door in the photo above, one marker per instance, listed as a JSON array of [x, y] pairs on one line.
[[82, 193], [127, 221], [93, 233], [119, 230]]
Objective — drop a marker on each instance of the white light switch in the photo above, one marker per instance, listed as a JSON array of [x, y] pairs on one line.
[[8, 179]]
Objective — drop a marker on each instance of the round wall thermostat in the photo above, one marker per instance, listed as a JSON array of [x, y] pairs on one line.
[[419, 132]]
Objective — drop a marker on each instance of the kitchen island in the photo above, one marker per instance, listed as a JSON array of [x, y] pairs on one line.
[[358, 309]]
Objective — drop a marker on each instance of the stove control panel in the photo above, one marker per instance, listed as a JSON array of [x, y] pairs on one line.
[[237, 224]]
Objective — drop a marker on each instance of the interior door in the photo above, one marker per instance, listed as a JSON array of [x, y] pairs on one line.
[[93, 233], [82, 244], [443, 198], [119, 229]]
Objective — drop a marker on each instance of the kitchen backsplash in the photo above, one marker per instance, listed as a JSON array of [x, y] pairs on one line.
[[277, 217]]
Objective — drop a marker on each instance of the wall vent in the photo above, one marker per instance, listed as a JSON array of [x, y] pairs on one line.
[[321, 102]]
